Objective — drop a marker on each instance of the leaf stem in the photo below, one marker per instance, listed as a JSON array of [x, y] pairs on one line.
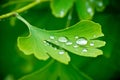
[[22, 9]]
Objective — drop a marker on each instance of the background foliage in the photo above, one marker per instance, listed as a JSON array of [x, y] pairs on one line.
[[14, 64]]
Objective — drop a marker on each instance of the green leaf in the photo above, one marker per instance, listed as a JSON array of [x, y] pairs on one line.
[[61, 7], [58, 43], [99, 5], [85, 9], [59, 72]]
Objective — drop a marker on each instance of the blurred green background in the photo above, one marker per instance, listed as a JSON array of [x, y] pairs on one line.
[[14, 64]]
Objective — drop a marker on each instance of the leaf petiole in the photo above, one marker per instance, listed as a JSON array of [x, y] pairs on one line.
[[22, 9]]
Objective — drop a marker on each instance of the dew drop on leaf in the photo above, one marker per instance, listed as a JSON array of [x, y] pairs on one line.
[[90, 11], [61, 52], [61, 13], [81, 41], [75, 46], [84, 50], [76, 37], [46, 43], [62, 39], [100, 4], [91, 44], [52, 37], [91, 0], [68, 43]]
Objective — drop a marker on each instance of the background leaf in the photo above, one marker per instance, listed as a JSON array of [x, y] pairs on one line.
[[59, 72], [61, 7]]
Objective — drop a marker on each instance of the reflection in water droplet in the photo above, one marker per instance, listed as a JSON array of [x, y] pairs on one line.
[[52, 37], [91, 44], [62, 39], [75, 46], [61, 52], [81, 41], [61, 13], [84, 50], [68, 43]]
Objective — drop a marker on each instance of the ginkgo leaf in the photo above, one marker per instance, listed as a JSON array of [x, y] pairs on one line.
[[61, 7], [77, 39], [85, 9], [59, 72]]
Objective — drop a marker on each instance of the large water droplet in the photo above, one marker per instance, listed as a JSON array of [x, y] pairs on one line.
[[62, 39], [52, 37], [61, 13], [81, 41], [91, 44], [84, 50], [68, 43], [61, 52]]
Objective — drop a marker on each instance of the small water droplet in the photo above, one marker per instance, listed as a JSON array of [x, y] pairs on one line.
[[94, 36], [68, 43], [62, 39], [55, 48], [100, 4], [81, 41], [46, 43], [56, 41], [52, 37], [91, 0], [90, 11], [69, 17], [75, 46], [61, 13], [61, 52], [76, 37], [84, 50], [91, 44]]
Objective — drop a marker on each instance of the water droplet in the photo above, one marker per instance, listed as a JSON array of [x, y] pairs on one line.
[[84, 50], [76, 37], [62, 39], [69, 17], [100, 4], [68, 43], [55, 48], [91, 44], [75, 46], [81, 41], [61, 13], [94, 36], [61, 52], [90, 11], [91, 0], [56, 41], [46, 43], [52, 37]]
